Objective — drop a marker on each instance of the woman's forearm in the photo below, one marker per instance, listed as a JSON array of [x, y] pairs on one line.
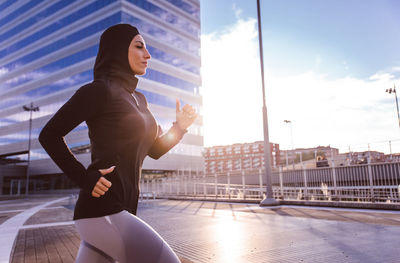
[[165, 142]]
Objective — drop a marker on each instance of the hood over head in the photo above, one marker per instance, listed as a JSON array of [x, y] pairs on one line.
[[112, 57]]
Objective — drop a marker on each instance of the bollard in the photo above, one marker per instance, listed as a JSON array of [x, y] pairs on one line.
[[229, 185], [178, 183], [185, 182], [190, 180], [305, 183], [196, 177], [243, 185], [216, 187], [194, 185], [334, 181], [281, 181], [371, 182], [170, 184], [204, 185]]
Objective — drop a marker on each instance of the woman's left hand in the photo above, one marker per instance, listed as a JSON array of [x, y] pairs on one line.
[[186, 116]]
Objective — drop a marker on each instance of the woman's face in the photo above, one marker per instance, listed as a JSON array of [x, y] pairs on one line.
[[138, 55]]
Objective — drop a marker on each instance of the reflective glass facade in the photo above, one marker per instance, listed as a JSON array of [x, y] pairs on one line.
[[48, 49]]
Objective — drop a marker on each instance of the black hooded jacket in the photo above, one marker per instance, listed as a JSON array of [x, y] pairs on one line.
[[122, 130]]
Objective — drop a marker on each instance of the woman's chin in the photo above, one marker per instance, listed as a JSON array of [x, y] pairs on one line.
[[140, 73]]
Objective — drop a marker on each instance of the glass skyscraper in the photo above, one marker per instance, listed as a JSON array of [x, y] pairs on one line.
[[48, 49]]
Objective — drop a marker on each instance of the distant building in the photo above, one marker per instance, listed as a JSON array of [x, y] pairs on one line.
[[288, 156], [392, 157], [244, 156], [354, 158], [362, 157]]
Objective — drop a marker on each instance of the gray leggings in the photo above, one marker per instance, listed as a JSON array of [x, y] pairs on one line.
[[121, 237]]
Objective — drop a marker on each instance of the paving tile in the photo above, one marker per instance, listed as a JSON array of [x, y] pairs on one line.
[[5, 216], [50, 215], [47, 244]]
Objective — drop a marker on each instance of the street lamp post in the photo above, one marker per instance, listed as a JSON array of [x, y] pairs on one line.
[[30, 108], [269, 200], [397, 103], [291, 139]]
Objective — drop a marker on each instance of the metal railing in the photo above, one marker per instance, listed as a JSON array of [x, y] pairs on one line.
[[378, 182]]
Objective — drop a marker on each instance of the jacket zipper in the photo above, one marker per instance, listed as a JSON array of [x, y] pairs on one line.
[[137, 103]]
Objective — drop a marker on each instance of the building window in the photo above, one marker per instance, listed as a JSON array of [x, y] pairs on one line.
[[228, 150], [220, 151], [229, 165], [237, 149]]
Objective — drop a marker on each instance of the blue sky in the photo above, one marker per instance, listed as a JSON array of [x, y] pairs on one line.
[[355, 43], [361, 35]]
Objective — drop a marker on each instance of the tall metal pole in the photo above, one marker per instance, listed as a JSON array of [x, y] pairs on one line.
[[30, 109], [397, 103], [269, 200], [29, 154]]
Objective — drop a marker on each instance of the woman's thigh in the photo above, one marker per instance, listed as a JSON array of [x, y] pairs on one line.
[[126, 238], [142, 242], [100, 233], [88, 253]]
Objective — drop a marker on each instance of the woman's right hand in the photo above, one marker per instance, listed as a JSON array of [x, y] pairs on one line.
[[102, 184]]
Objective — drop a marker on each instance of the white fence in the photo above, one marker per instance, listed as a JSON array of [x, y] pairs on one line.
[[379, 182]]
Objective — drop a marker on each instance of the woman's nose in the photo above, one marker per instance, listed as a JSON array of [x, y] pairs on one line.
[[147, 54]]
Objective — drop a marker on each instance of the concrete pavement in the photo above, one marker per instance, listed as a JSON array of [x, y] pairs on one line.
[[201, 231]]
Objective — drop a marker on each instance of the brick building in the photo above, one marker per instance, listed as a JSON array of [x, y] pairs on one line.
[[243, 156]]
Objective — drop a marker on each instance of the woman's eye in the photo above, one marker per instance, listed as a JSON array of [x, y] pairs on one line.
[[139, 46]]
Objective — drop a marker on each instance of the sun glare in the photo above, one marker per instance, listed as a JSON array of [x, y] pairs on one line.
[[230, 237]]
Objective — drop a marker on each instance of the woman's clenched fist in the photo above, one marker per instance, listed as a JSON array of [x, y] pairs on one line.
[[102, 184]]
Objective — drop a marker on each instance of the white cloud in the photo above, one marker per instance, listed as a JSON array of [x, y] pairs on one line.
[[237, 11], [382, 76], [339, 112], [342, 112]]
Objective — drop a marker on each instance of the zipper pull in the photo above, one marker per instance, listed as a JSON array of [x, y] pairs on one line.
[[137, 103]]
